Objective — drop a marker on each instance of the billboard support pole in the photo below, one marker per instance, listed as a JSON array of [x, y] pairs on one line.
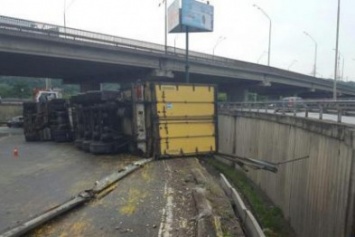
[[187, 56]]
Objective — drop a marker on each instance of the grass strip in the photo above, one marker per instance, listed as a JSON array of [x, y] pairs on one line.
[[269, 216]]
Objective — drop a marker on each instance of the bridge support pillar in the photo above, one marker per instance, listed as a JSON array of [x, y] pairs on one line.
[[90, 86]]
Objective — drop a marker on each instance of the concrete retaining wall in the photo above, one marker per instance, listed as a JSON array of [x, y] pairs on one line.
[[316, 194], [8, 111]]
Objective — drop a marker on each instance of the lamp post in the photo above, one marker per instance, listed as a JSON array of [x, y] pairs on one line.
[[270, 26], [165, 23], [315, 53], [219, 40], [336, 55], [64, 12]]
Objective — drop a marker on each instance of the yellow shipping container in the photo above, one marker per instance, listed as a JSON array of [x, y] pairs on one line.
[[185, 118]]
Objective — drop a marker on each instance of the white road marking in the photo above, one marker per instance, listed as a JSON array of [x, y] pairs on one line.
[[167, 215]]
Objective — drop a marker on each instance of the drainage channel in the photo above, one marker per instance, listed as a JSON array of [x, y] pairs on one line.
[[85, 196]]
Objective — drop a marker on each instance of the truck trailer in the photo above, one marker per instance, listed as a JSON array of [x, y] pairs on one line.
[[149, 119]]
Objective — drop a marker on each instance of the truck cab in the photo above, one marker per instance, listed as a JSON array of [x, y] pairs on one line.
[[44, 95]]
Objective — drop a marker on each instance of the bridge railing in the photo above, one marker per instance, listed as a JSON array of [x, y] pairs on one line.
[[66, 33], [51, 30], [321, 109]]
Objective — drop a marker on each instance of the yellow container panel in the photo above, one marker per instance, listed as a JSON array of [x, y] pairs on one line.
[[186, 129], [186, 124], [187, 146], [182, 109], [188, 93]]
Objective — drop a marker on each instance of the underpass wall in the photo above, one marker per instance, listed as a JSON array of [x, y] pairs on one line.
[[8, 111], [316, 194]]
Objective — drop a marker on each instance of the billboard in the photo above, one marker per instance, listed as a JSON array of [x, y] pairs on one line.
[[174, 16], [196, 15]]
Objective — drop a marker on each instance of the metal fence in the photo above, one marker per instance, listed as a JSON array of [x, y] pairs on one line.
[[339, 108]]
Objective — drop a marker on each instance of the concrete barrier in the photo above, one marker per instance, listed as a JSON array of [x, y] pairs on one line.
[[226, 186], [250, 224], [316, 194], [239, 204]]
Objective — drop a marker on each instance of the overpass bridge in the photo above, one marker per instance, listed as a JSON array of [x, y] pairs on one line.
[[37, 49]]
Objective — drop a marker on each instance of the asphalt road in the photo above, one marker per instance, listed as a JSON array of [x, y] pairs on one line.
[[154, 201], [45, 174]]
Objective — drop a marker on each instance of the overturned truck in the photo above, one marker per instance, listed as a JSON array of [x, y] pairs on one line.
[[47, 121], [150, 119]]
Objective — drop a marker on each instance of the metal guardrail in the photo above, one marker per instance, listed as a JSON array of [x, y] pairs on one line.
[[296, 108]]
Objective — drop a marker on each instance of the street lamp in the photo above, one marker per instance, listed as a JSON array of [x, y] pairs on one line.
[[315, 53], [265, 14], [219, 40], [336, 55], [64, 12], [165, 23]]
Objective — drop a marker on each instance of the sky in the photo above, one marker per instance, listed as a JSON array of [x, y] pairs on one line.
[[244, 27]]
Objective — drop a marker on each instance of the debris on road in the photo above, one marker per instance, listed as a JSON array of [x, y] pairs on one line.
[[79, 199]]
